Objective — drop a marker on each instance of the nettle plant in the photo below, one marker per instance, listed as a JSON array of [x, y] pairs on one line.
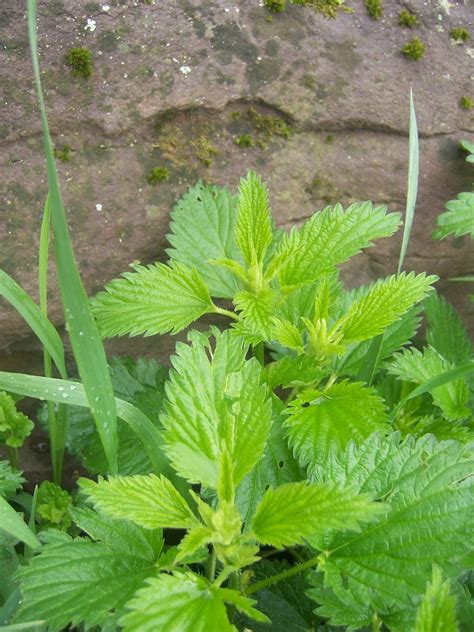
[[303, 465]]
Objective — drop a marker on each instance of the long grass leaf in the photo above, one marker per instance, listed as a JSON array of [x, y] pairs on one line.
[[30, 312], [83, 333], [412, 191], [13, 524], [74, 394]]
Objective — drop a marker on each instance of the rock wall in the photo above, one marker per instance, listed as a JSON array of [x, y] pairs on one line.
[[184, 84]]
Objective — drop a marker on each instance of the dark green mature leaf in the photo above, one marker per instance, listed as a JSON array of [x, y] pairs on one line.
[[331, 237], [428, 486], [345, 411], [152, 300], [184, 602], [81, 581], [213, 396], [202, 229], [149, 501], [445, 331], [87, 346], [294, 512], [139, 382]]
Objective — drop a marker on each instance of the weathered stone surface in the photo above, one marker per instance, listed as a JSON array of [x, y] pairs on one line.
[[168, 77]]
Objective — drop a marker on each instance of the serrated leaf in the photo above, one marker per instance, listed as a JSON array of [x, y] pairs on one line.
[[287, 334], [415, 366], [256, 311], [183, 602], [292, 370], [458, 219], [330, 237], [437, 611], [149, 501], [428, 488], [15, 427], [152, 300], [276, 467], [215, 396], [10, 479], [296, 511], [253, 229], [202, 229], [81, 581], [345, 411], [445, 331], [382, 304]]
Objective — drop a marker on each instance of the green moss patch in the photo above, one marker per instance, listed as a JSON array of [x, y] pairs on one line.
[[79, 61]]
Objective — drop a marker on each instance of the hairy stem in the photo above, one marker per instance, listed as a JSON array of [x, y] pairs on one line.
[[259, 352], [273, 579], [225, 312], [13, 457], [211, 566]]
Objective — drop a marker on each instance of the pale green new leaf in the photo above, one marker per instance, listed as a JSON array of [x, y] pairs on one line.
[[345, 411], [296, 511], [415, 366], [149, 501], [428, 487], [256, 311], [383, 303], [445, 331], [437, 611], [10, 479], [253, 229], [184, 603], [215, 397], [458, 220], [202, 229], [330, 237], [152, 300], [81, 581], [287, 334]]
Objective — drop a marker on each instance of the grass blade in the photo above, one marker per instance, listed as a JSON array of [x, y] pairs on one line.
[[74, 394], [13, 524], [83, 333], [412, 191], [40, 325]]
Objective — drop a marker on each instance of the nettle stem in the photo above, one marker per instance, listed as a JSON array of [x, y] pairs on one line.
[[211, 566], [259, 352], [294, 570], [225, 312], [13, 457]]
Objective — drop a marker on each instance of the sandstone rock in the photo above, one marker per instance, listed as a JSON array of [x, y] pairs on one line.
[[169, 77]]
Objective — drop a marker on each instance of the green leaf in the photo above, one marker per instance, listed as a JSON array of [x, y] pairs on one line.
[[149, 501], [15, 427], [81, 581], [13, 524], [63, 391], [152, 300], [184, 602], [253, 230], [412, 188], [287, 334], [445, 331], [458, 220], [85, 340], [427, 487], [214, 396], [256, 311], [276, 467], [382, 304], [343, 412], [296, 511], [415, 366], [330, 237], [10, 479], [437, 611], [291, 371], [39, 324], [202, 229]]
